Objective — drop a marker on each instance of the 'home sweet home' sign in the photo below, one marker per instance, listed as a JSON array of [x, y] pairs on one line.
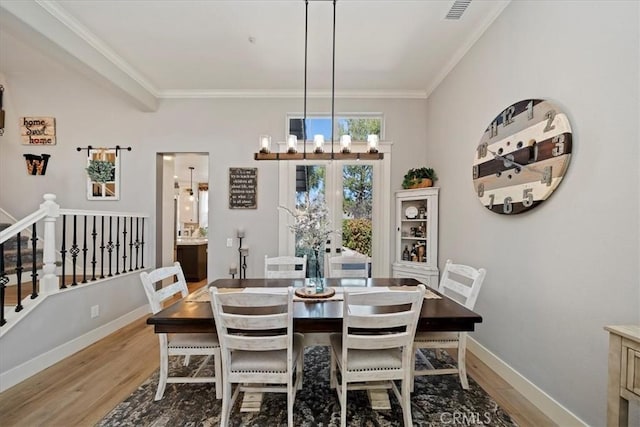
[[38, 130]]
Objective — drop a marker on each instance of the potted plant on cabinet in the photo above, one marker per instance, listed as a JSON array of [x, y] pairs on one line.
[[419, 178]]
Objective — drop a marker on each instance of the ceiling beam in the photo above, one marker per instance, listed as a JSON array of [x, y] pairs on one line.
[[49, 27]]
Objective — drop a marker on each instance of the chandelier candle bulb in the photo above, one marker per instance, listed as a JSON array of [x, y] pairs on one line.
[[345, 143], [233, 269], [265, 144], [318, 142], [292, 142], [372, 142], [240, 232]]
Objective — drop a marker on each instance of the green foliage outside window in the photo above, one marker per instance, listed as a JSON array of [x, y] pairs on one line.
[[356, 235]]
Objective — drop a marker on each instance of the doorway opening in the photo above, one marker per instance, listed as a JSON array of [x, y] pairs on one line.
[[182, 212]]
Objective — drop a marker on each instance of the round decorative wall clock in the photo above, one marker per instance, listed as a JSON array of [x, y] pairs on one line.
[[522, 156]]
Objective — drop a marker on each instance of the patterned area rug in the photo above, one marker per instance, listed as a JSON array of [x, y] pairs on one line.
[[436, 401]]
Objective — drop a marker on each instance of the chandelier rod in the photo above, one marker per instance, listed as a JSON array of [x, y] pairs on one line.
[[333, 76], [304, 120]]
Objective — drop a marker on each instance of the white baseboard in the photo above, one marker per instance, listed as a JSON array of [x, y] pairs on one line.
[[552, 408], [39, 363]]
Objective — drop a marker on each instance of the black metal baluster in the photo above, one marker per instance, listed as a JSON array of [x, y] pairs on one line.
[[110, 244], [63, 249], [74, 251], [3, 284], [94, 235], [130, 243], [19, 269], [102, 247], [142, 246], [137, 242], [34, 265], [84, 251], [124, 245], [117, 245]]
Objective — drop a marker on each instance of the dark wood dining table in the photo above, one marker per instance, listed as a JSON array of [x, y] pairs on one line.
[[313, 316]]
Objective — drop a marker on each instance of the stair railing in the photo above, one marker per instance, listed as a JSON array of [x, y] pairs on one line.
[[112, 243]]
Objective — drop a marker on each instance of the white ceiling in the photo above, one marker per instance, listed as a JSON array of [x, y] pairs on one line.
[[161, 49]]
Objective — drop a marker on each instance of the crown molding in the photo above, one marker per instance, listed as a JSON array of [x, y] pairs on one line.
[[203, 94]]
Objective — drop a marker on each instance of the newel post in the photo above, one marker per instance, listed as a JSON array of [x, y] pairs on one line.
[[49, 282]]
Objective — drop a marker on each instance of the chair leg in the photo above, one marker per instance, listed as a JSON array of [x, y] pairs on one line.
[[299, 373], [164, 366], [290, 400], [462, 363], [343, 403], [413, 368], [218, 372], [225, 412], [332, 372], [407, 384]]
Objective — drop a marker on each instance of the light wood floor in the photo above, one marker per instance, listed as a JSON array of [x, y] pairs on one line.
[[81, 389]]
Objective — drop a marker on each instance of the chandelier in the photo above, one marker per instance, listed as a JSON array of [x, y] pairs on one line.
[[318, 152]]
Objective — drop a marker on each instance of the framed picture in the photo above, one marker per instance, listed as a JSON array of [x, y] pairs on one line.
[[103, 174]]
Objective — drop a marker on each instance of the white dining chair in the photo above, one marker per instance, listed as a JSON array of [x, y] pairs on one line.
[[462, 284], [285, 267], [182, 344], [260, 352], [347, 266], [376, 345]]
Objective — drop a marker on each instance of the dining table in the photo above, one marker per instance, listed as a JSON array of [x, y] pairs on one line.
[[193, 313], [315, 317]]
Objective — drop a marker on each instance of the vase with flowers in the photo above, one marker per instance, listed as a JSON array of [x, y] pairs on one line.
[[311, 227]]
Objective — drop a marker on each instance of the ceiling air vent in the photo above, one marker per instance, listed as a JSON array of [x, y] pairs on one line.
[[457, 9]]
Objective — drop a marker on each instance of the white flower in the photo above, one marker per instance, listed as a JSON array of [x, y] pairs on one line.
[[312, 224]]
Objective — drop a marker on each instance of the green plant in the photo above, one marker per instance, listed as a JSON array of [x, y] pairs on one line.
[[100, 171], [414, 176], [356, 235]]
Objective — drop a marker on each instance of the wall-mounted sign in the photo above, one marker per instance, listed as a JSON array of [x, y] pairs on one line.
[[36, 165], [38, 130], [243, 188]]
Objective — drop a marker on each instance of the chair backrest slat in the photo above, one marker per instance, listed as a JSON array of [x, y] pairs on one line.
[[152, 279], [349, 266], [463, 280], [370, 342], [285, 267], [256, 343], [261, 322]]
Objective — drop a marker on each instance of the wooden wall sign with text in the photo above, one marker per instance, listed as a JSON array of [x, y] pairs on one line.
[[243, 188], [38, 130]]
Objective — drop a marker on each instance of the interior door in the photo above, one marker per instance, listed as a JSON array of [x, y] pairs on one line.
[[347, 189]]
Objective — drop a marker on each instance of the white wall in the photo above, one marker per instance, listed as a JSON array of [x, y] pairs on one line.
[[559, 273], [227, 129]]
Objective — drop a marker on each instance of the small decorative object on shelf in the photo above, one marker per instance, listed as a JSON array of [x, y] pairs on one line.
[[419, 178]]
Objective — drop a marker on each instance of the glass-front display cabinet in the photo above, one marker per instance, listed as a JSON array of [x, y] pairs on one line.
[[416, 253]]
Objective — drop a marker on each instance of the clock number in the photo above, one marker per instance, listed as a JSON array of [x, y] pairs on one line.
[[530, 110], [507, 207], [493, 129], [507, 116], [491, 199], [527, 197], [547, 175], [482, 150], [476, 171], [550, 115], [480, 189], [559, 148]]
